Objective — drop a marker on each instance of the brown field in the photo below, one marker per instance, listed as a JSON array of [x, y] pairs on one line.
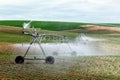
[[97, 29], [65, 68], [5, 48]]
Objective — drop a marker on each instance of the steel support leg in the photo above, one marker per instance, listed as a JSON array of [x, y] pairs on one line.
[[39, 42], [29, 47]]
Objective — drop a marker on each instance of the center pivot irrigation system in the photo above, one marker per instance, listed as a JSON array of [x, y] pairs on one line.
[[37, 38]]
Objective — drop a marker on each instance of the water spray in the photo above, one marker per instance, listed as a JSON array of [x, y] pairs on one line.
[[82, 45]]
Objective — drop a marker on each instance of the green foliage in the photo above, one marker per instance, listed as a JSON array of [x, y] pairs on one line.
[[14, 35], [46, 25], [110, 24], [12, 38], [12, 23]]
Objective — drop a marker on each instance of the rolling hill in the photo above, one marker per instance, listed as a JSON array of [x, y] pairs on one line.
[[46, 25]]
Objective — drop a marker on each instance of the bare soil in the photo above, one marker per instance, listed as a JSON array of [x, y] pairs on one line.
[[97, 29], [6, 48]]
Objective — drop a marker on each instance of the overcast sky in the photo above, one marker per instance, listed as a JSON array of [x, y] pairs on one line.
[[95, 11]]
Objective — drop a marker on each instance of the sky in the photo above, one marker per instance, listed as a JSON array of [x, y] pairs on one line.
[[90, 11]]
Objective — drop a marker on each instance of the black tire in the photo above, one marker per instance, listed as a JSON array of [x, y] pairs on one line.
[[49, 60], [19, 59]]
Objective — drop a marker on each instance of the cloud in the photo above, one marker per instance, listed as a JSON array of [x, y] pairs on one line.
[[62, 10], [14, 2]]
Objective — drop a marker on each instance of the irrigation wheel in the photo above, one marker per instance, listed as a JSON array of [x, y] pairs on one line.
[[49, 60], [19, 59]]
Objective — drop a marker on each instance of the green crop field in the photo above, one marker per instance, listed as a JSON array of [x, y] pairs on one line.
[[47, 25], [14, 34], [55, 26], [110, 24]]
